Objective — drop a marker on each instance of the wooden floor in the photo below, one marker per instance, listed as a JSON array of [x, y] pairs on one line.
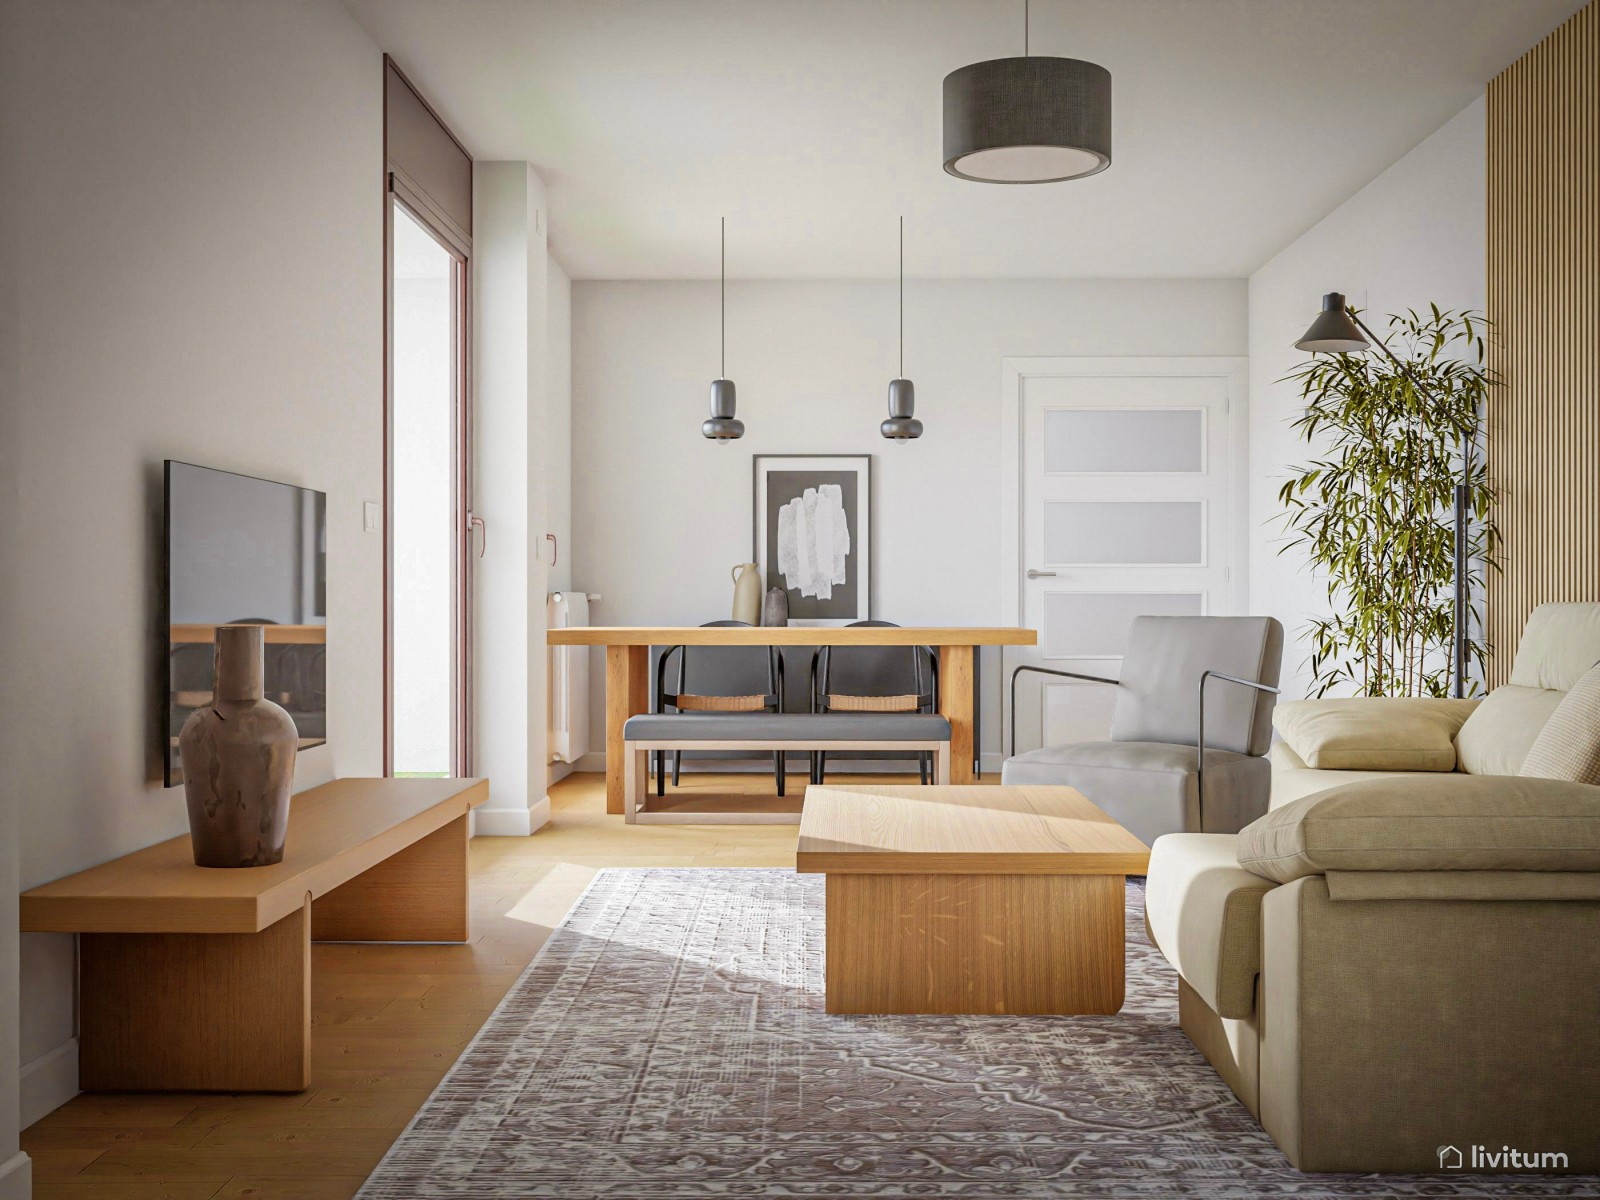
[[387, 1022]]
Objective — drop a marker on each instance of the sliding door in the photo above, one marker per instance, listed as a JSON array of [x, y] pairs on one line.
[[428, 412]]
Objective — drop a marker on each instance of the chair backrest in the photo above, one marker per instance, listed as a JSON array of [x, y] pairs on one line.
[[862, 671], [723, 670], [1159, 697]]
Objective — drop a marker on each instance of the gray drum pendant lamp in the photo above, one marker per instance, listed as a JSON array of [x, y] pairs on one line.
[[901, 425], [723, 426], [1339, 330], [1027, 120]]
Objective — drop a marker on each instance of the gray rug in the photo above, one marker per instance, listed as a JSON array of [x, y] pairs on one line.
[[670, 1043]]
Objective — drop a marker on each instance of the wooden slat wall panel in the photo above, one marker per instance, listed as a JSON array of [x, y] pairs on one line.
[[1544, 298]]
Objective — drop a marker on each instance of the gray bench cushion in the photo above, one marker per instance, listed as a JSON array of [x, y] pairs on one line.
[[820, 728]]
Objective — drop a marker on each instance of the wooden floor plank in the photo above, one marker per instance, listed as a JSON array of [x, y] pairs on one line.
[[390, 1020]]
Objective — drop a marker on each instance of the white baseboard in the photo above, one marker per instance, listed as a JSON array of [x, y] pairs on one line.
[[48, 1082], [511, 822], [16, 1177]]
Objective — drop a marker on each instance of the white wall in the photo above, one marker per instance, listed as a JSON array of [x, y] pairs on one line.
[[660, 514], [1416, 234], [193, 216], [558, 454], [512, 360]]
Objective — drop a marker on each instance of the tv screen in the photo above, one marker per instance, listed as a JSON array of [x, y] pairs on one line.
[[243, 551]]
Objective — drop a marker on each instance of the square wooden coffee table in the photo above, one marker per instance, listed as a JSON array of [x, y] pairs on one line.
[[969, 899]]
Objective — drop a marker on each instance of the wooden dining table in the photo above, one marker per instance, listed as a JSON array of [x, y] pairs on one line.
[[628, 670]]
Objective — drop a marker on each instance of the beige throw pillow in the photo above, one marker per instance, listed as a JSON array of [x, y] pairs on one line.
[[1568, 747], [1373, 733]]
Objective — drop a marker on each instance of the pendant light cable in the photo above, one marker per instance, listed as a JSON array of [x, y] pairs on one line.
[[1025, 28], [902, 297], [724, 367]]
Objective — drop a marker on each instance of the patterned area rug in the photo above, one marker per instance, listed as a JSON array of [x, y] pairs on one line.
[[670, 1043]]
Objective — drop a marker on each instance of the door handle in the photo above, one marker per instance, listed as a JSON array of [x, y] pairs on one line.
[[1033, 574], [474, 522]]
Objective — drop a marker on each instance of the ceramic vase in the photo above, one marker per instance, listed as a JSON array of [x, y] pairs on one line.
[[747, 593], [775, 609], [238, 760]]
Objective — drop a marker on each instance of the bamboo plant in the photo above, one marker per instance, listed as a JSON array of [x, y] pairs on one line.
[[1375, 512]]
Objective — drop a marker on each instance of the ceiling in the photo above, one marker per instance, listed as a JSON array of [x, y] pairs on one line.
[[812, 124]]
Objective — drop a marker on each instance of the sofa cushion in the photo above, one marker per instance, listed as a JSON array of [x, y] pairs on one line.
[[1292, 780], [1568, 747], [1559, 644], [1150, 788], [1373, 733], [1203, 912], [1425, 822], [1497, 736]]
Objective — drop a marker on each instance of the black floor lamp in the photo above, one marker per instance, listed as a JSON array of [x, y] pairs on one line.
[[1338, 330]]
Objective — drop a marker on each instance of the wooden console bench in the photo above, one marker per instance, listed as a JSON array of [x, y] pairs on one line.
[[199, 979]]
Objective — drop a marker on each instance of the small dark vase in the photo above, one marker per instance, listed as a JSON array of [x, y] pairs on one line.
[[238, 761], [775, 608]]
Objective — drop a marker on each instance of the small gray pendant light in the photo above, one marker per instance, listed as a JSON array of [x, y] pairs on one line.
[[723, 425], [1027, 120], [901, 425]]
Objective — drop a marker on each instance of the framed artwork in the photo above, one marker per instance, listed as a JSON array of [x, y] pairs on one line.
[[813, 534]]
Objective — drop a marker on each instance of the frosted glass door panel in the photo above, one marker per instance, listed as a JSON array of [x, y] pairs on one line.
[[1095, 624], [1103, 441], [1133, 532]]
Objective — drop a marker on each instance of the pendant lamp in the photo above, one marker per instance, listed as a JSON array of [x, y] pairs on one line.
[[901, 425], [723, 425], [1028, 119]]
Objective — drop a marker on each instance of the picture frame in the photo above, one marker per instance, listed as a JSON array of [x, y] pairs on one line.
[[812, 520]]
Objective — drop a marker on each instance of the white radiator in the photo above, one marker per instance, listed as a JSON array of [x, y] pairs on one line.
[[569, 681]]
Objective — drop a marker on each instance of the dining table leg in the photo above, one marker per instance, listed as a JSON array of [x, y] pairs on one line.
[[627, 694], [956, 698]]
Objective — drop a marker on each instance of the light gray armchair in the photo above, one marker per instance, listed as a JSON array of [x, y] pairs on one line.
[[1192, 724]]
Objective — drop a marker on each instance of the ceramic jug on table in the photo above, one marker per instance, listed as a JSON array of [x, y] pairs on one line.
[[747, 593]]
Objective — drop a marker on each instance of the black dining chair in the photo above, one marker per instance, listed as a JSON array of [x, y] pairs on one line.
[[874, 679], [723, 679]]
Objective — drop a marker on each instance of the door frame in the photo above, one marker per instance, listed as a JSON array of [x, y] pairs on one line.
[[1015, 372]]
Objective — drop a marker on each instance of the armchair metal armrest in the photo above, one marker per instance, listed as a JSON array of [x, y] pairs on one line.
[[1200, 767], [1046, 671]]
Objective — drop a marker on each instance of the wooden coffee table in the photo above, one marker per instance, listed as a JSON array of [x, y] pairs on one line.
[[969, 899]]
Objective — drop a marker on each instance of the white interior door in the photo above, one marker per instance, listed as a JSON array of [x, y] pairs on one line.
[[1128, 501]]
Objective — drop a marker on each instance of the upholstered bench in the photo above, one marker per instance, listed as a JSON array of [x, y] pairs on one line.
[[769, 731]]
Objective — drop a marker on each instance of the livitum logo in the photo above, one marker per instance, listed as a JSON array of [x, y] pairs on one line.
[[1485, 1158]]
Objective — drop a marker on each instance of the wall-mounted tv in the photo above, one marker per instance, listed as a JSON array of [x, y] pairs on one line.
[[244, 551]]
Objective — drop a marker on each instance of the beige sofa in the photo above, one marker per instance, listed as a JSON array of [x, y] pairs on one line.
[[1394, 963], [1323, 743]]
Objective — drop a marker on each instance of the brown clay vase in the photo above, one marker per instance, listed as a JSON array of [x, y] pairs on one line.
[[238, 761]]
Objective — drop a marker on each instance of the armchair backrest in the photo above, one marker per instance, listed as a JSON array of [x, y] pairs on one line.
[[1159, 697]]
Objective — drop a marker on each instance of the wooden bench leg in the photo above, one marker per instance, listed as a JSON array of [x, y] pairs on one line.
[[205, 1012], [417, 895], [636, 772], [941, 763]]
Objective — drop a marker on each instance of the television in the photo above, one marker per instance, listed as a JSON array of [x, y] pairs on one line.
[[244, 551]]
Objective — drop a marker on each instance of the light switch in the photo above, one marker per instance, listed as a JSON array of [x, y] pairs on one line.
[[369, 517]]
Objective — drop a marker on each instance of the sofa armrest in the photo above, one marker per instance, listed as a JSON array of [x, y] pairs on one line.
[[1374, 734], [1203, 912]]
